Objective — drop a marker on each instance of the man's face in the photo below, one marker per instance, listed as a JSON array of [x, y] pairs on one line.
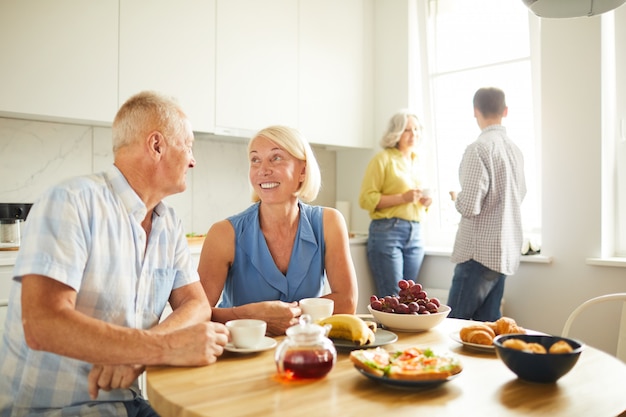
[[178, 159]]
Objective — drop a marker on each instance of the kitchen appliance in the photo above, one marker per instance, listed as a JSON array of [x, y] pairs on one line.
[[12, 218], [14, 210], [10, 233]]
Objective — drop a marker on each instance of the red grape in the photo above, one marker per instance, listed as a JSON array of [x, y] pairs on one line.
[[411, 299], [376, 305]]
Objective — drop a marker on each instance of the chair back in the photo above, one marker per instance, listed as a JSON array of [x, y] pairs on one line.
[[621, 337]]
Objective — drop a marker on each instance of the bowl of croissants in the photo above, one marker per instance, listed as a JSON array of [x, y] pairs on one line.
[[536, 357]]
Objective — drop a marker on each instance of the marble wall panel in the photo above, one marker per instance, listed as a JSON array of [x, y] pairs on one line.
[[36, 155]]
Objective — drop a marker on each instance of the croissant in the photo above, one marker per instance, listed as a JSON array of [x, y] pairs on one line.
[[535, 348], [506, 325], [477, 333], [492, 325], [561, 347], [512, 343]]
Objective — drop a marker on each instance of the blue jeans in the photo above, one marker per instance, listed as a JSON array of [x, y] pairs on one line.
[[139, 408], [394, 251], [476, 292]]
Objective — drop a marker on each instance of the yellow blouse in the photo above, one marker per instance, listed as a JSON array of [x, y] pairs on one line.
[[389, 173]]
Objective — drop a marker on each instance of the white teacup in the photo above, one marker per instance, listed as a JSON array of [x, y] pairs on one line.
[[246, 333], [317, 308]]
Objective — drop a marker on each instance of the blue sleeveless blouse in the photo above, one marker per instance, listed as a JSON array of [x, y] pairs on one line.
[[254, 276]]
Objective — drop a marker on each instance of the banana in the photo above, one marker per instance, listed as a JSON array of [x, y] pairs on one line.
[[348, 327]]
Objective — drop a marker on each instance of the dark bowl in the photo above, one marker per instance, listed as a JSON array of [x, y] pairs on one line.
[[538, 367]]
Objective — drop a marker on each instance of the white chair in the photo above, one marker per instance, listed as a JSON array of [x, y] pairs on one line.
[[621, 337]]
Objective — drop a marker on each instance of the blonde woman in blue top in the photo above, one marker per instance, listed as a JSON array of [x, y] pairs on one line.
[[262, 261], [392, 193]]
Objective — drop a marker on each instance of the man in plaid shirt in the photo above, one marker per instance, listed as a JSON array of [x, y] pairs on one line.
[[489, 239]]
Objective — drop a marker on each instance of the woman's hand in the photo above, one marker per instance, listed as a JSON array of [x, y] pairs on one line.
[[426, 201], [412, 196], [277, 314]]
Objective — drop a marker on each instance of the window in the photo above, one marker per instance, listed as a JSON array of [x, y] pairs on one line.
[[473, 44], [614, 135]]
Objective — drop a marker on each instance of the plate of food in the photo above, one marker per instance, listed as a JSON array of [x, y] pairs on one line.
[[381, 337], [427, 383], [411, 367], [349, 331], [479, 335]]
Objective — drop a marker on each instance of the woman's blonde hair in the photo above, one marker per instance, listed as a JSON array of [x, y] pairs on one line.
[[297, 146], [396, 127]]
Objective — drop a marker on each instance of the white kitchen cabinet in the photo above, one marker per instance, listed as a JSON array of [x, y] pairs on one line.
[[6, 273], [336, 72], [59, 59], [256, 65], [170, 47]]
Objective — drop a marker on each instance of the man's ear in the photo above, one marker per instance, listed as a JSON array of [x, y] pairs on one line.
[[156, 142]]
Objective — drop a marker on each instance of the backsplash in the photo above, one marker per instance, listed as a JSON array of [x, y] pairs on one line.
[[35, 155]]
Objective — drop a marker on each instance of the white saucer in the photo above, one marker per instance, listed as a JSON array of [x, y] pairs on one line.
[[266, 343]]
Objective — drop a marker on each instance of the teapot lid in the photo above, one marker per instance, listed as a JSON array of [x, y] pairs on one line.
[[306, 329]]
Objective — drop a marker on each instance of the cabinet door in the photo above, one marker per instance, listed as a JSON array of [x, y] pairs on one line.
[[336, 72], [256, 64], [59, 59], [169, 47]]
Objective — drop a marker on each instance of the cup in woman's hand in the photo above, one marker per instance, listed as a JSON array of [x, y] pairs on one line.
[[246, 333], [317, 308]]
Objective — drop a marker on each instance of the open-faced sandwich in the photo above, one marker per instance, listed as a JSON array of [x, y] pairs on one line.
[[409, 364]]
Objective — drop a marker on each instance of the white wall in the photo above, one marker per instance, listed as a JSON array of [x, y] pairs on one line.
[[541, 296]]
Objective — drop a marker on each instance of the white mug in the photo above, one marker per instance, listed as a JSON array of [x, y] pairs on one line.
[[317, 308], [246, 333]]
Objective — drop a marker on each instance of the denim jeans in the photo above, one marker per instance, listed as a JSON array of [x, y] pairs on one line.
[[476, 292], [394, 251], [139, 408]]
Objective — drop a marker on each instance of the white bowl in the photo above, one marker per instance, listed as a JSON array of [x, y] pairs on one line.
[[410, 322]]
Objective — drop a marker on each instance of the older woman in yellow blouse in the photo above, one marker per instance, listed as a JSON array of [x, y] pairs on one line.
[[392, 194]]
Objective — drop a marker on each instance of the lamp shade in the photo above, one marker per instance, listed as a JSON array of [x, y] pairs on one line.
[[571, 8]]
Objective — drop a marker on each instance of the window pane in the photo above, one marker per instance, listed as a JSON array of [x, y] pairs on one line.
[[456, 126], [465, 49], [470, 33]]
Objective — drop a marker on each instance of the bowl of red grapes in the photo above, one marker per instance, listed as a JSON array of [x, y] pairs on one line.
[[411, 310]]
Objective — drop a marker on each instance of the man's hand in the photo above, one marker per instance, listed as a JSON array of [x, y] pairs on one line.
[[109, 377], [196, 345]]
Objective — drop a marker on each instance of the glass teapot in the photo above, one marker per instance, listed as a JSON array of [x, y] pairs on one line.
[[306, 353]]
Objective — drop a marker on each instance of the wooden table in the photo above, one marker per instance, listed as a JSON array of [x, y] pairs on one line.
[[247, 385]]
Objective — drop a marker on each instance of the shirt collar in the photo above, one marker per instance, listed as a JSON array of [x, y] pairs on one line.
[[131, 201]]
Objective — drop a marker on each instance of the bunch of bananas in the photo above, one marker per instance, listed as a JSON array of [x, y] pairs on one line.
[[349, 327]]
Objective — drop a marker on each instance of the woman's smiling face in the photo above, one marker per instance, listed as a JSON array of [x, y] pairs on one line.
[[274, 173]]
